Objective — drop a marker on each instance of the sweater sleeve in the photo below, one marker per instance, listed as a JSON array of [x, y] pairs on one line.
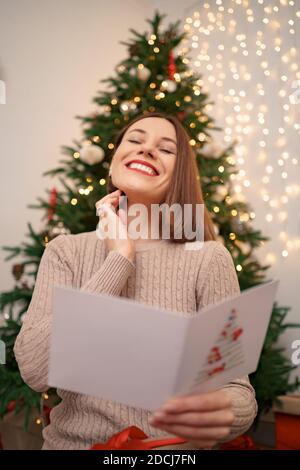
[[219, 281], [56, 267]]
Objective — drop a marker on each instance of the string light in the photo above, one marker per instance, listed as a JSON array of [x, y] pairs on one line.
[[249, 119]]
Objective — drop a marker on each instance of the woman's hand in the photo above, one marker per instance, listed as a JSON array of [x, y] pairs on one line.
[[202, 419], [112, 225]]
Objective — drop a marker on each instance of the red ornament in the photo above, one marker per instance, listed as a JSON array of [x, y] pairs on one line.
[[11, 406], [216, 370], [171, 66], [52, 204], [237, 333], [181, 115], [47, 410]]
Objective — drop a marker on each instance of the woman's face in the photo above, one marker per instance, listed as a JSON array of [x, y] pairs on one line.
[[150, 142]]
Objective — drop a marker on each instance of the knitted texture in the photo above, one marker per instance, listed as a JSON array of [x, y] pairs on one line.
[[163, 274]]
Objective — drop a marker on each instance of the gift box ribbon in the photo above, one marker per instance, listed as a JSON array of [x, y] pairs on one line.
[[132, 438]]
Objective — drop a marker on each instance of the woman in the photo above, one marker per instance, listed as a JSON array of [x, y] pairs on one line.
[[155, 271]]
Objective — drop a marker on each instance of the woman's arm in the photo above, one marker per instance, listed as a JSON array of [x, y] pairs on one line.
[[57, 268], [112, 275]]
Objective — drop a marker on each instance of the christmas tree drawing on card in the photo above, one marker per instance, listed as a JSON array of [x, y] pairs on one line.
[[227, 351]]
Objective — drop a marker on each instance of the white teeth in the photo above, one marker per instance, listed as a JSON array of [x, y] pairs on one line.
[[139, 166]]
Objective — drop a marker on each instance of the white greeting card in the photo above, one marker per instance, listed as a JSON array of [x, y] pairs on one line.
[[122, 350]]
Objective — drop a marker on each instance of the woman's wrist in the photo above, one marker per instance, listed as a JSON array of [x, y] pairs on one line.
[[128, 254]]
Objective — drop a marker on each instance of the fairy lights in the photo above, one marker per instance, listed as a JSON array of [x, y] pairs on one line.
[[246, 51]]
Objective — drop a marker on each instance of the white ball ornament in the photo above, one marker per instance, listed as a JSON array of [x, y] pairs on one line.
[[143, 74], [127, 106], [59, 229], [213, 150], [221, 193], [92, 154], [121, 68], [104, 110], [169, 85]]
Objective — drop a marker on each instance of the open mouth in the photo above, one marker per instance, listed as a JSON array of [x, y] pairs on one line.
[[142, 168]]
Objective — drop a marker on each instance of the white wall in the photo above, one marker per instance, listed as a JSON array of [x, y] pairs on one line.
[[52, 57]]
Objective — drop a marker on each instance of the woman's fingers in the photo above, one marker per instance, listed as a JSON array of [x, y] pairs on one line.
[[198, 417], [189, 432], [209, 419], [210, 401], [111, 223], [112, 226], [109, 199]]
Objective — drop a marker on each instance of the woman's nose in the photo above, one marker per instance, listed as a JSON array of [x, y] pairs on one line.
[[147, 149]]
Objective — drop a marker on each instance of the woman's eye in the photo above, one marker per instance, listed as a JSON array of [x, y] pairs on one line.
[[137, 142]]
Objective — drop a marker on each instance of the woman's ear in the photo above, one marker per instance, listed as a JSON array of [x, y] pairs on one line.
[[110, 188]]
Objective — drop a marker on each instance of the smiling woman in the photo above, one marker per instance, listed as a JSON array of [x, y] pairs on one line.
[[153, 163], [158, 142]]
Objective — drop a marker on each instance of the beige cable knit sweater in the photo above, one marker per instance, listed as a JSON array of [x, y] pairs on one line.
[[163, 274]]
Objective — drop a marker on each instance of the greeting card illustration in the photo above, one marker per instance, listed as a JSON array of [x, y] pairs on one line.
[[227, 351]]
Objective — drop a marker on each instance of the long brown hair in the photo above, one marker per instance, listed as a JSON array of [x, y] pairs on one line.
[[185, 185]]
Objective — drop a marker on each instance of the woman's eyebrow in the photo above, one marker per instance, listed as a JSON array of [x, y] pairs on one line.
[[144, 132]]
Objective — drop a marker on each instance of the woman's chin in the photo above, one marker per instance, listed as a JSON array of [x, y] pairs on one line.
[[137, 192], [133, 189], [134, 194]]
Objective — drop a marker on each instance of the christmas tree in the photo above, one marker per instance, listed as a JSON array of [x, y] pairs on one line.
[[153, 78]]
